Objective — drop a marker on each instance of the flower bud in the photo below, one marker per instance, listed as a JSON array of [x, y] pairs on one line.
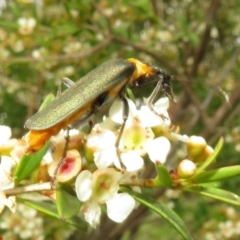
[[208, 150], [195, 146], [186, 168]]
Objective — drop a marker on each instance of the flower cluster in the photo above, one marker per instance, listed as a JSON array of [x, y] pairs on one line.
[[111, 156], [111, 159], [106, 165]]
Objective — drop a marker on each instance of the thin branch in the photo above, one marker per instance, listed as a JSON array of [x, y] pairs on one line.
[[200, 52], [78, 56], [126, 42], [31, 188]]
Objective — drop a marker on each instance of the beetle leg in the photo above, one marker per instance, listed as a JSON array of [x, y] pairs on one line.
[[153, 96], [125, 117], [67, 82], [53, 181]]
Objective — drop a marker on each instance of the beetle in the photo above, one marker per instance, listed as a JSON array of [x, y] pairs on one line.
[[85, 97]]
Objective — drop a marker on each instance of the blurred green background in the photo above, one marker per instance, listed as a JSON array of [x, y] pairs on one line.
[[197, 42]]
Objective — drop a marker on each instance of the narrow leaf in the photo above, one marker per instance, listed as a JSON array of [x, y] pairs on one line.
[[164, 211], [49, 98], [211, 158], [50, 209], [217, 174], [130, 94], [28, 163], [215, 193], [67, 203]]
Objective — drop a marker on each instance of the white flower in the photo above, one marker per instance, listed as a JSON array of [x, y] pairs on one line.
[[6, 165], [102, 143], [147, 117], [101, 187], [6, 182], [72, 162], [137, 134], [26, 25], [105, 152]]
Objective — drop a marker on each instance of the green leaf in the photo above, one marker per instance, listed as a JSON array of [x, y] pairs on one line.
[[130, 94], [28, 163], [164, 211], [163, 179], [67, 203], [217, 174], [211, 158], [49, 208], [49, 98], [215, 193]]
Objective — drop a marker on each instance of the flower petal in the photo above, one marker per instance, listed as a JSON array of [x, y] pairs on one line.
[[92, 213], [158, 149], [83, 185], [120, 206], [5, 133], [131, 160], [101, 140], [116, 111], [150, 119], [162, 104], [105, 157]]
